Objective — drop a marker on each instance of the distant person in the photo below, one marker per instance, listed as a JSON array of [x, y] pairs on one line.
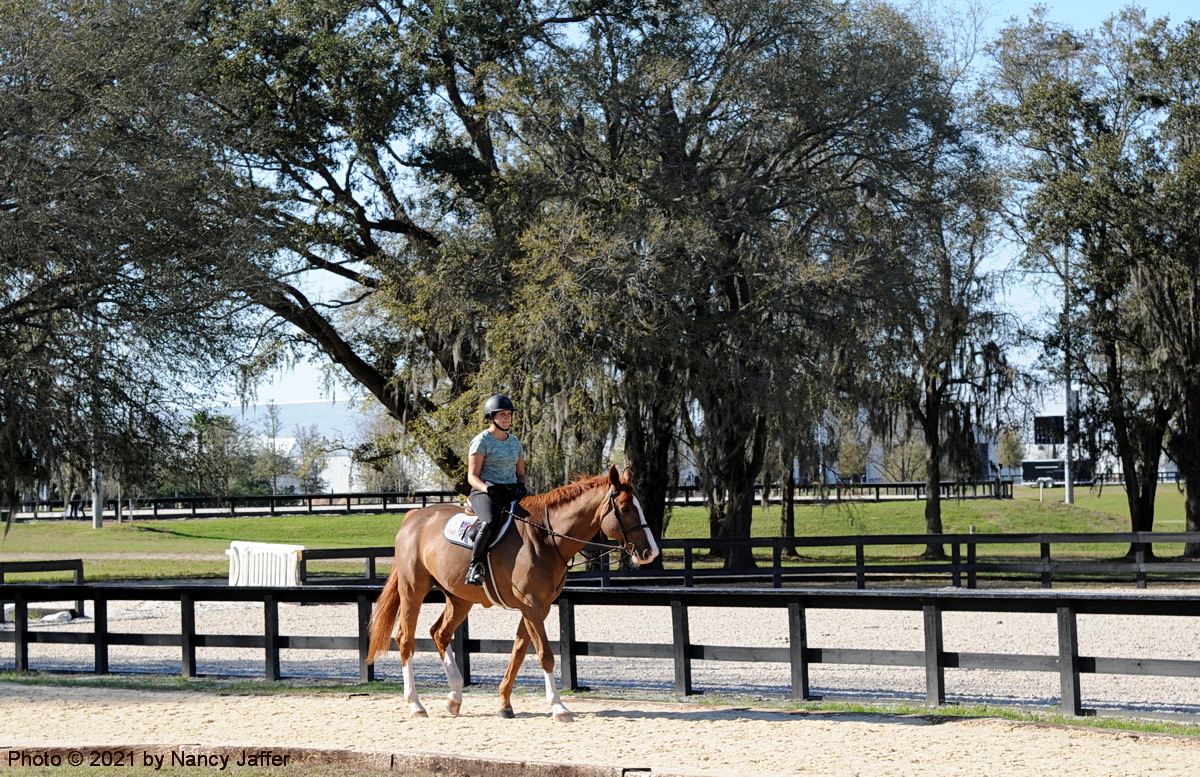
[[496, 473], [76, 503]]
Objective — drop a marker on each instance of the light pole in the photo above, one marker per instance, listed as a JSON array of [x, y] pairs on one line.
[[97, 355], [1068, 474], [1065, 45]]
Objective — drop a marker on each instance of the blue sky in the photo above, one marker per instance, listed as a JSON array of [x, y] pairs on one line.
[[1087, 14], [304, 383], [1033, 297]]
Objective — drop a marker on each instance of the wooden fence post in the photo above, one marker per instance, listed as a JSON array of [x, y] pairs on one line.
[[777, 563], [21, 644], [366, 672], [187, 640], [566, 644], [1068, 660], [100, 630], [271, 636], [77, 568], [798, 648], [681, 636], [935, 668], [860, 565], [1139, 555], [956, 564], [972, 557]]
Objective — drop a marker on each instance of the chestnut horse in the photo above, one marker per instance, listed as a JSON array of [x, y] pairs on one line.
[[526, 571]]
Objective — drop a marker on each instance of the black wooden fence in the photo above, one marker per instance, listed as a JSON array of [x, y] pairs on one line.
[[395, 501], [247, 505], [74, 566], [799, 653], [964, 564]]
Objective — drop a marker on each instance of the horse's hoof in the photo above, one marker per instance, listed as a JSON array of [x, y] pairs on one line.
[[417, 714], [506, 713], [564, 717], [453, 706]]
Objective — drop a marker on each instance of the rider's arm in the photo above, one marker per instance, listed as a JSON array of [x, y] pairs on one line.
[[475, 466]]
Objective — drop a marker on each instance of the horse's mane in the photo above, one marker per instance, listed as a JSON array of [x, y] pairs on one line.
[[564, 494]]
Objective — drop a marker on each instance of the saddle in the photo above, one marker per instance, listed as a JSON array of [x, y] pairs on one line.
[[462, 527]]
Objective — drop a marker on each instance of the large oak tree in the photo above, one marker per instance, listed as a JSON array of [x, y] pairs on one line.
[[114, 219]]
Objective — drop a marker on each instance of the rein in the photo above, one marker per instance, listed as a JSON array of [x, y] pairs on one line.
[[624, 547]]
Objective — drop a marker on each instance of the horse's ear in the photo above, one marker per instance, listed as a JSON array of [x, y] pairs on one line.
[[627, 475], [613, 476]]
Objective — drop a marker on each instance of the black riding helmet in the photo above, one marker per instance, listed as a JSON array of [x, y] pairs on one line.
[[495, 404]]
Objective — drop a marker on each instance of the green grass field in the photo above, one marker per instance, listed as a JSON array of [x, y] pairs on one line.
[[195, 547]]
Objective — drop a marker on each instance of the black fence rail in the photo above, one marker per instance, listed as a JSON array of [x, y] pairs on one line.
[[74, 566], [962, 566], [799, 653], [891, 491], [395, 501], [369, 557], [243, 505]]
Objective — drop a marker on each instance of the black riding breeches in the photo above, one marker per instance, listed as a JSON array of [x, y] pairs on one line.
[[481, 503]]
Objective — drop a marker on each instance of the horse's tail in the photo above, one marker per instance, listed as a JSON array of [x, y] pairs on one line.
[[383, 619]]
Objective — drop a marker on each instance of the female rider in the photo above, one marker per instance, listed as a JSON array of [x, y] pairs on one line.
[[496, 474]]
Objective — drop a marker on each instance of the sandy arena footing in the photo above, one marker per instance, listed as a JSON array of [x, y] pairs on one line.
[[608, 737]]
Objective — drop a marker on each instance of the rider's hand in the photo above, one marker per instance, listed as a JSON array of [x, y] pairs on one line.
[[518, 491], [498, 494]]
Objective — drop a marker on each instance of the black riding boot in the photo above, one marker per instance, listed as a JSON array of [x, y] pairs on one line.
[[479, 549]]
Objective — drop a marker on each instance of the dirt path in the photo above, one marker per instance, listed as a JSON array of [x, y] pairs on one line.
[[667, 738]]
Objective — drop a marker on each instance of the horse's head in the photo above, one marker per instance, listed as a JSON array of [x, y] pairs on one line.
[[624, 521]]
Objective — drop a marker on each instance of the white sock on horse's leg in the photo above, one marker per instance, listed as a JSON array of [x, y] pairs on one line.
[[455, 679], [415, 710], [557, 708]]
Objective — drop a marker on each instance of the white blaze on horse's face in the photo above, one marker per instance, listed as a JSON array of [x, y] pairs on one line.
[[651, 551]]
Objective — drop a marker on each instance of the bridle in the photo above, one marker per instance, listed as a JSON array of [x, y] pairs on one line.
[[626, 545]]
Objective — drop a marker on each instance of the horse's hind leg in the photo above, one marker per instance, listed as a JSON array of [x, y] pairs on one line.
[[442, 632], [410, 609]]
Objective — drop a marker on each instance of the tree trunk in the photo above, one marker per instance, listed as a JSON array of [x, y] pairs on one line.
[[930, 417], [741, 458], [738, 515], [1139, 445], [1192, 513], [9, 502], [1185, 450], [649, 437], [787, 512]]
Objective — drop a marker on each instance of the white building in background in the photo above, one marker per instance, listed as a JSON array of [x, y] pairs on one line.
[[339, 474], [335, 420]]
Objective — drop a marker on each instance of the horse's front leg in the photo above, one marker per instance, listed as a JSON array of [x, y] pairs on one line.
[[520, 648], [541, 643]]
